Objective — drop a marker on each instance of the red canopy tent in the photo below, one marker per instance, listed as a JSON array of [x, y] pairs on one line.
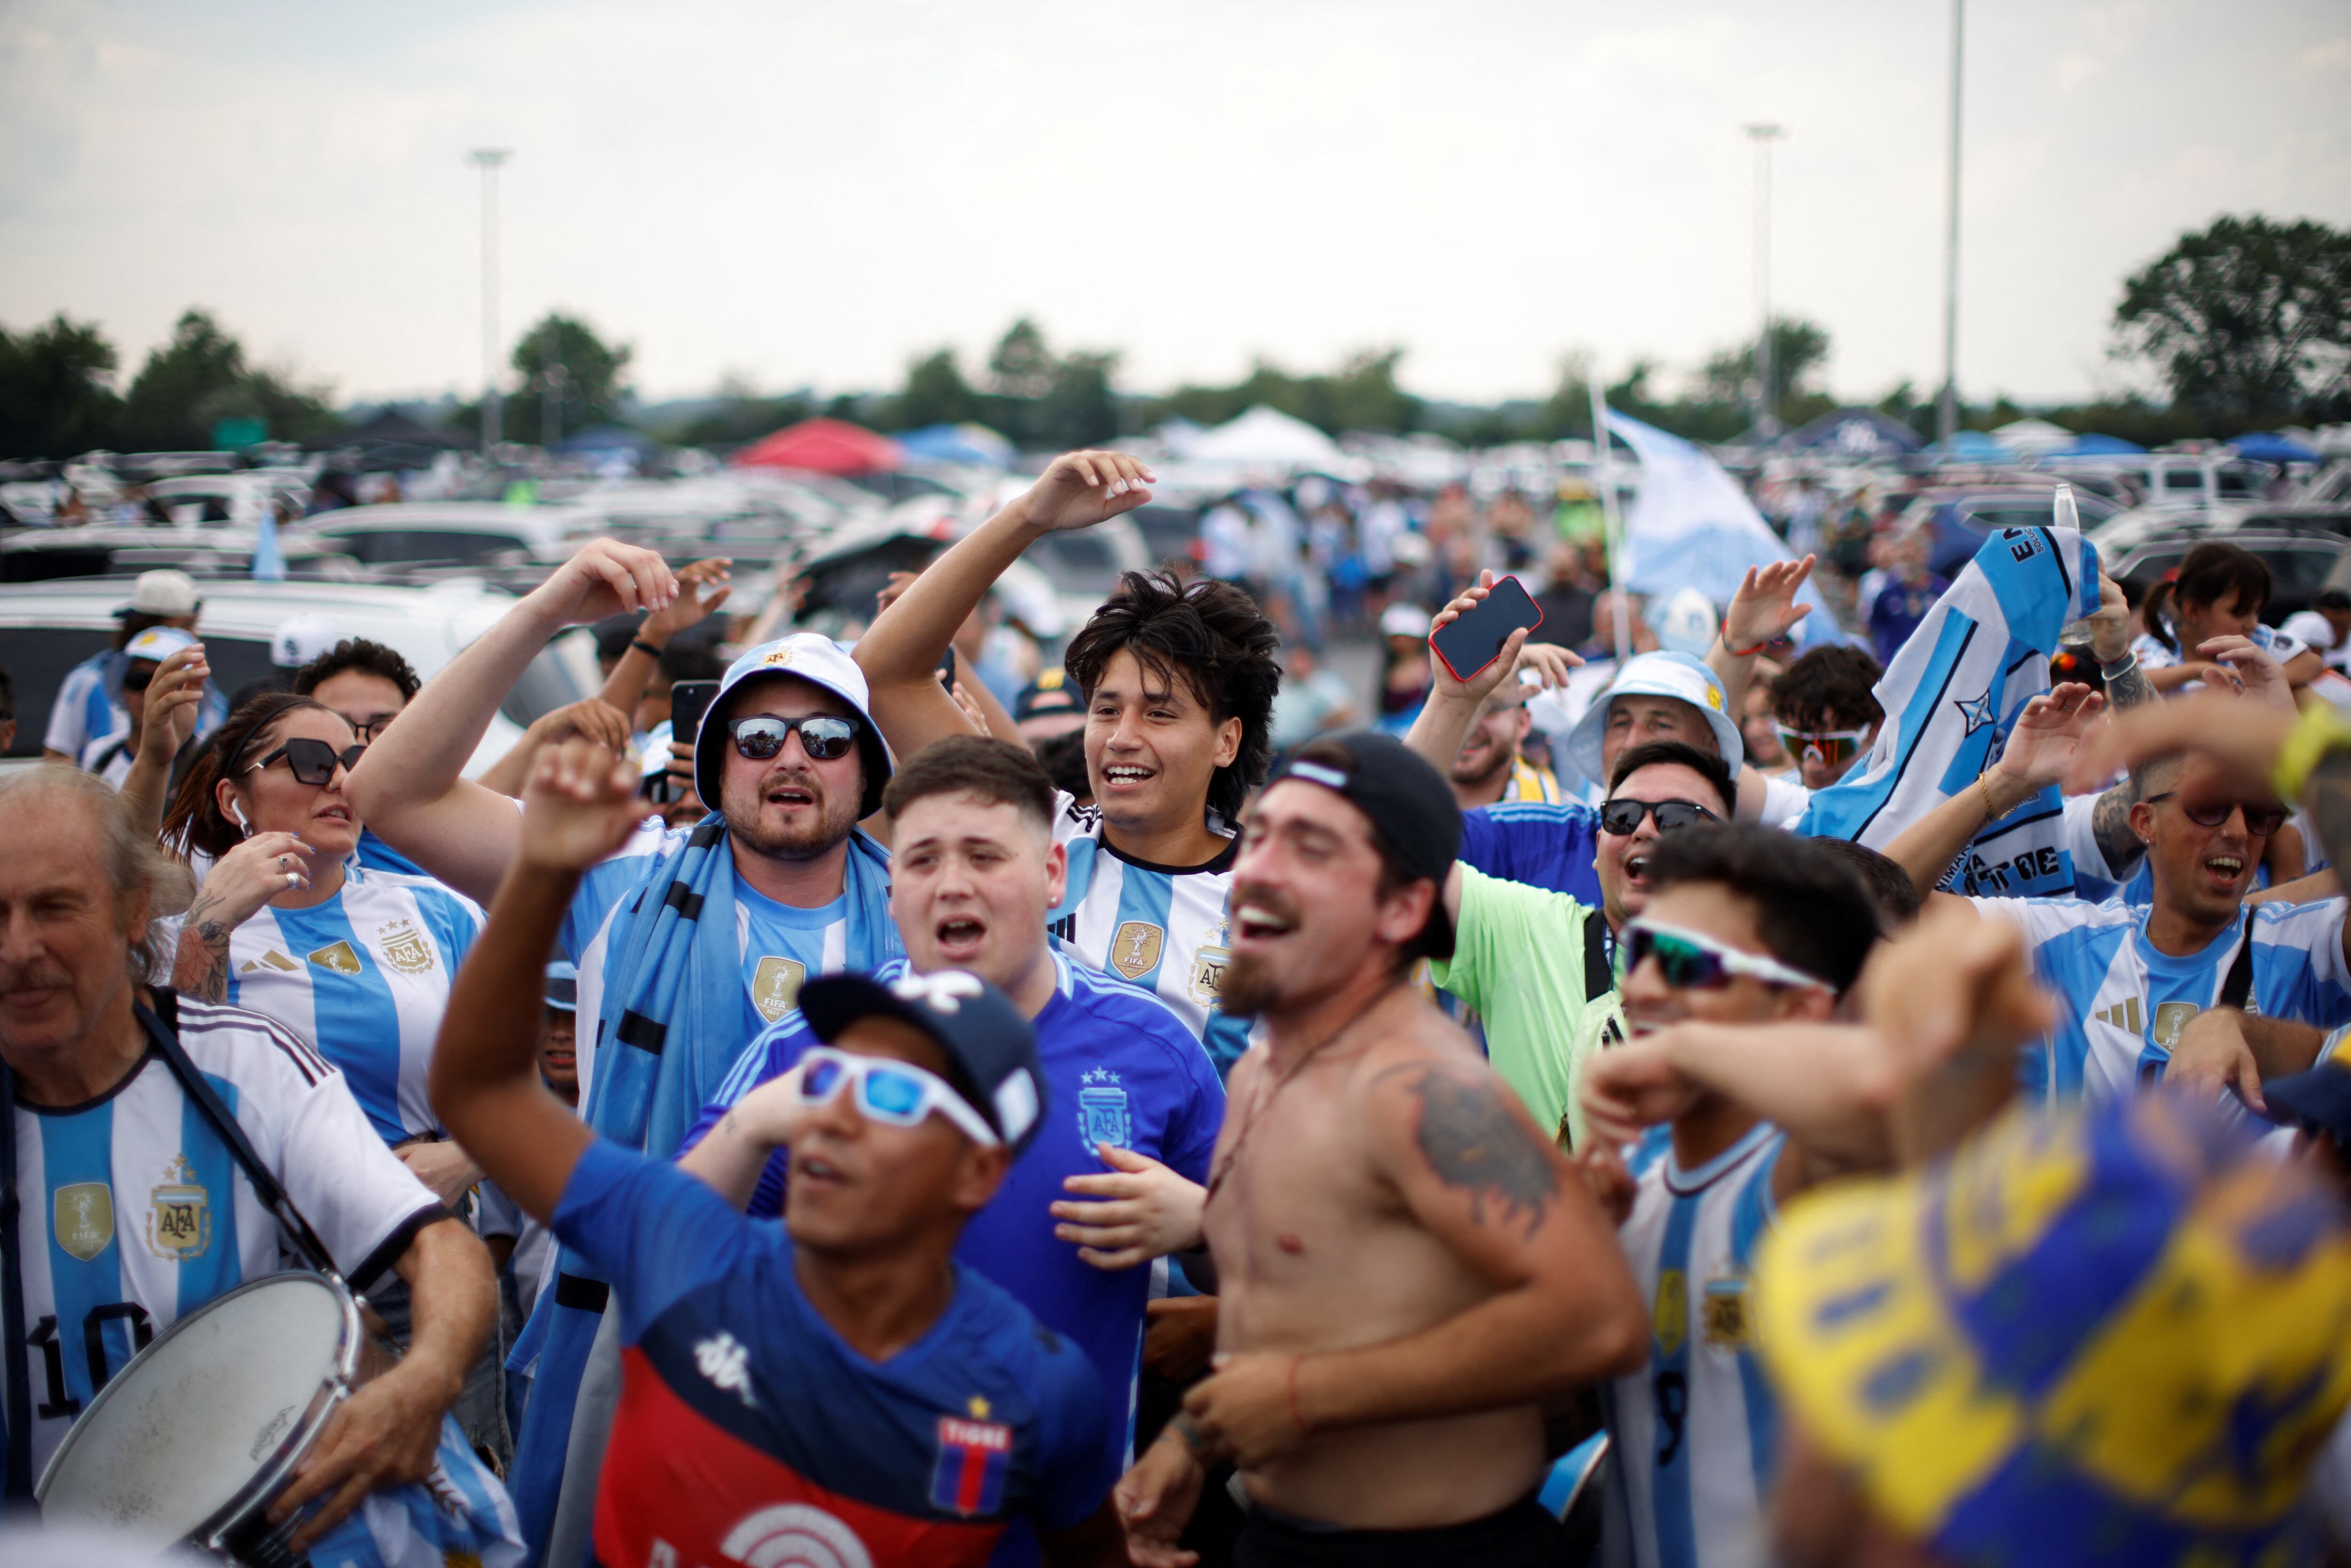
[[822, 447]]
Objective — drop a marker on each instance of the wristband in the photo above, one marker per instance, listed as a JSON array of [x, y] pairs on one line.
[[2318, 731], [1294, 1415], [1742, 652], [1188, 1432], [1991, 811], [647, 649]]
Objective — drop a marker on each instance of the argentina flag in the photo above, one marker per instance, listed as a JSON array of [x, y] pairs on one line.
[[1950, 698]]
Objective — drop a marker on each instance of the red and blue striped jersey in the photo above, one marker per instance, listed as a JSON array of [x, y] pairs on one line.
[[747, 1426]]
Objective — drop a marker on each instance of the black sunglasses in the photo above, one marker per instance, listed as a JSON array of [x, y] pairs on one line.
[[1623, 817], [312, 762], [138, 680], [2261, 817], [824, 737]]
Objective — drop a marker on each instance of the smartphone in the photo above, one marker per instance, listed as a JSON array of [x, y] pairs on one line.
[[688, 701], [1475, 640], [947, 669]]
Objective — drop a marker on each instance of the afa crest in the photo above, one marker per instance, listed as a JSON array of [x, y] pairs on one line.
[[1725, 1318], [180, 1216], [404, 949], [1209, 969], [1102, 1116]]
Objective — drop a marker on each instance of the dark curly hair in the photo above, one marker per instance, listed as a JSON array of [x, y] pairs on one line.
[[357, 654], [1213, 637], [1837, 679], [1811, 909]]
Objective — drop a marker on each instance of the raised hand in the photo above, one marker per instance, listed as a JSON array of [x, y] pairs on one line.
[[1765, 609], [2252, 669], [2110, 626], [605, 578], [702, 587], [578, 806], [1083, 488], [2245, 738], [592, 718], [1549, 662], [2049, 734], [173, 694]]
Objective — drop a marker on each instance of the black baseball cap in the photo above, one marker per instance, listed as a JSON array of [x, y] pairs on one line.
[[1049, 693], [988, 1041], [1410, 804]]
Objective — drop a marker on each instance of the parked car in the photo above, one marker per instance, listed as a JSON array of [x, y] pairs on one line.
[[2195, 479], [2303, 559], [125, 549], [406, 536], [47, 628], [2141, 524]]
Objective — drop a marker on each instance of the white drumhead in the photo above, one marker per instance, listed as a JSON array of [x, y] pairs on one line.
[[174, 1436]]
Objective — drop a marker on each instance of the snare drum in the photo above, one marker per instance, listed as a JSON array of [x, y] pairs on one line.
[[201, 1431]]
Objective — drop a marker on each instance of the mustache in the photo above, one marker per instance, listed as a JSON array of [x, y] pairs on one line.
[[37, 979], [1271, 900]]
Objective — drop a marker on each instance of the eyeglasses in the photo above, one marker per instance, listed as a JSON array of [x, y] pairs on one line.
[[895, 1093], [1691, 962], [1623, 817], [312, 762], [824, 737], [371, 728], [1830, 748], [2262, 817]]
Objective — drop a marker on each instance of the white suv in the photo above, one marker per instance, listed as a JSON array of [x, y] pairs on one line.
[[47, 628]]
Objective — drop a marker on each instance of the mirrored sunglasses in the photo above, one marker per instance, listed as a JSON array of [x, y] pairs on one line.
[[1623, 817], [312, 762], [1691, 962], [895, 1093], [824, 737], [1833, 747], [2262, 817]]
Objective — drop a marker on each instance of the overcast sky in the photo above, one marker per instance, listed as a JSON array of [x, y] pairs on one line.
[[794, 194]]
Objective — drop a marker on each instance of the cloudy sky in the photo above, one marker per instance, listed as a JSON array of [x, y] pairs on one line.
[[789, 193]]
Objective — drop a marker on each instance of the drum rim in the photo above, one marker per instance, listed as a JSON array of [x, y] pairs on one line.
[[275, 1473]]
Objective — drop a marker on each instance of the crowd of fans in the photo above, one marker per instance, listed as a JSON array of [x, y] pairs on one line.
[[1635, 1100]]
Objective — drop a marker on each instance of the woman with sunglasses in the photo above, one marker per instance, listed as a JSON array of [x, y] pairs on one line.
[[357, 963]]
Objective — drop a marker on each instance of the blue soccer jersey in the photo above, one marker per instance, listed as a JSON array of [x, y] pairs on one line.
[[1541, 844], [1120, 1068], [2123, 1003], [1160, 928], [748, 1431], [1694, 1430], [364, 977]]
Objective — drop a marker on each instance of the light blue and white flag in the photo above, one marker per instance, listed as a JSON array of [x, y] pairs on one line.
[[1692, 526], [1951, 697]]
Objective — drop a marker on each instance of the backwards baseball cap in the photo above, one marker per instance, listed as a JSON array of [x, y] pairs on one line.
[[163, 592], [1050, 693], [990, 1044], [1405, 620], [159, 642], [1410, 804], [562, 987], [2112, 1334], [1657, 675], [301, 640], [820, 661], [2320, 1097]]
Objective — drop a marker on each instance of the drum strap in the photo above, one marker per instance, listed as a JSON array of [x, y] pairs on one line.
[[19, 1489], [202, 1095]]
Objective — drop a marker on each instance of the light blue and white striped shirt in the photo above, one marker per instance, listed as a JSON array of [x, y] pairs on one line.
[[1694, 1431]]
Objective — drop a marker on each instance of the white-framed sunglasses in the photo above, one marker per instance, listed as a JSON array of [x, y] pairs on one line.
[[1691, 961], [895, 1093]]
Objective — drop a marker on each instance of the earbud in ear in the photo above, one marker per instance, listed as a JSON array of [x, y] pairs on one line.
[[238, 812]]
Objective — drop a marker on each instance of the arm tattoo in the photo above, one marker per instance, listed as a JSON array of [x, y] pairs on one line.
[[2110, 823], [2328, 798], [2129, 690], [1471, 1140], [199, 967]]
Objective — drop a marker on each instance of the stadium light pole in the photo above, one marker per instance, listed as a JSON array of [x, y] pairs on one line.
[[488, 160], [1767, 420], [1946, 414]]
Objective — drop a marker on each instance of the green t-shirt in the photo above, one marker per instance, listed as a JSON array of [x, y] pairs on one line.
[[1518, 958]]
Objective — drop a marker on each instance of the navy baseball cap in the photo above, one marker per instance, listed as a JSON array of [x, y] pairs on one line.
[[562, 987], [1410, 804], [1049, 693], [988, 1041]]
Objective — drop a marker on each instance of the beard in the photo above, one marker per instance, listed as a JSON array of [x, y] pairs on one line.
[[1498, 762], [833, 820], [1250, 987]]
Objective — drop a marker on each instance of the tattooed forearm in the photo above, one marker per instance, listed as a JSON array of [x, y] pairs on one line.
[[2110, 823], [199, 967], [2130, 689], [1471, 1139], [2328, 800]]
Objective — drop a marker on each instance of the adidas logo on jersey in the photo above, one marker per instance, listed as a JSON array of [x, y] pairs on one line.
[[273, 958], [723, 1360], [2123, 1016]]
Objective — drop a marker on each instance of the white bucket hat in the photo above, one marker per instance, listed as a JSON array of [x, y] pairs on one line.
[[818, 660], [1657, 675]]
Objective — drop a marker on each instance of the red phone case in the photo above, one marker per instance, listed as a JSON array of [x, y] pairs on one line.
[[1531, 628]]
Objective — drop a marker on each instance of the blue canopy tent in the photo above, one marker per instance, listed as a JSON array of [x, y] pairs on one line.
[[2263, 446], [2093, 445], [972, 443], [1974, 446], [600, 439]]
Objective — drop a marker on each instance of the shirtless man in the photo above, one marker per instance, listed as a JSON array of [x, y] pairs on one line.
[[1407, 1270]]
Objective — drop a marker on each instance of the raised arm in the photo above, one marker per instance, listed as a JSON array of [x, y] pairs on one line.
[[169, 719], [1462, 1155], [701, 589], [900, 652], [579, 805], [1452, 706], [411, 788], [730, 1158], [2041, 751], [1763, 609]]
